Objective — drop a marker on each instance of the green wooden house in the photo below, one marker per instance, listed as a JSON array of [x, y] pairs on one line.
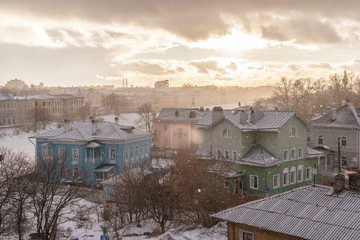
[[268, 148]]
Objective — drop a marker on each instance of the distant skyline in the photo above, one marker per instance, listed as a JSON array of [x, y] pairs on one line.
[[202, 42]]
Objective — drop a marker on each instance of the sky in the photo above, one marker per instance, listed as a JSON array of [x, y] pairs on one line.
[[202, 42]]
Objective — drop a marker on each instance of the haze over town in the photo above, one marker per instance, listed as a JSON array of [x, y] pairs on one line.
[[158, 119]]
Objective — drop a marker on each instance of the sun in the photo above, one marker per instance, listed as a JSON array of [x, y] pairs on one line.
[[237, 40]]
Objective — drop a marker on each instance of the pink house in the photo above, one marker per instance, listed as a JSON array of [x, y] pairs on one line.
[[174, 128]]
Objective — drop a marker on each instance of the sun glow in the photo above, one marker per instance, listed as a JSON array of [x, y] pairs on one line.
[[235, 41]]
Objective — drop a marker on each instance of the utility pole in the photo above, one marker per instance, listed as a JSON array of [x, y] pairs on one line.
[[339, 156]]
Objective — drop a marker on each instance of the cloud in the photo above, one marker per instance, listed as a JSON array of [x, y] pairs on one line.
[[293, 67], [145, 68], [305, 22], [205, 66], [319, 65]]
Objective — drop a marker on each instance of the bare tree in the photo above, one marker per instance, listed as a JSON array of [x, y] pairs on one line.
[[15, 169], [146, 115], [50, 197]]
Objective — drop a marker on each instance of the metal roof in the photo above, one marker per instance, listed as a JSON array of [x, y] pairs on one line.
[[310, 212], [346, 117], [82, 131], [180, 115], [259, 156], [262, 120], [105, 167]]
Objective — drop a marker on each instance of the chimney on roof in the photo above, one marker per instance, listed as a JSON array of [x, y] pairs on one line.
[[354, 181], [339, 181], [217, 114], [176, 113], [67, 125], [327, 109], [251, 116], [192, 114], [117, 120], [94, 124], [333, 114]]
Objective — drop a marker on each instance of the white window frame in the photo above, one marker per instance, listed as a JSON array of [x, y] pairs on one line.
[[252, 182], [287, 155], [226, 155], [293, 132], [234, 156], [226, 133], [300, 150], [286, 177], [75, 153], [276, 179], [293, 154], [308, 177], [180, 133], [44, 150], [322, 139], [300, 173], [59, 152], [112, 158], [293, 173], [165, 127]]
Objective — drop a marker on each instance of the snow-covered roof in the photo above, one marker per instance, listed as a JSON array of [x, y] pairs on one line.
[[82, 131], [309, 212], [136, 174], [259, 156], [179, 115], [346, 117], [249, 119]]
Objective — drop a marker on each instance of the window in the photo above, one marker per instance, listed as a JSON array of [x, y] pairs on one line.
[[254, 182], [293, 175], [180, 133], [343, 141], [286, 155], [293, 153], [226, 133], [142, 150], [308, 173], [226, 183], [343, 161], [131, 152], [62, 153], [166, 140], [146, 147], [234, 155], [226, 154], [300, 153], [165, 127], [320, 140], [300, 174], [112, 154], [45, 150], [293, 132], [218, 154], [276, 180], [285, 177], [247, 236], [75, 153]]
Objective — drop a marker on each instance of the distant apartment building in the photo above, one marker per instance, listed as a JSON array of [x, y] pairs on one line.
[[174, 128], [20, 110]]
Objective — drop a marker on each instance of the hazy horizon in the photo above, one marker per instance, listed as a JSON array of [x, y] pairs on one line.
[[241, 43]]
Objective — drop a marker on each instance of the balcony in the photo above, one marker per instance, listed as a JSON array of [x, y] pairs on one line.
[[93, 159]]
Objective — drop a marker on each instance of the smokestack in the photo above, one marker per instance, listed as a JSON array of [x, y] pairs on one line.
[[117, 120], [67, 125], [94, 126], [333, 114]]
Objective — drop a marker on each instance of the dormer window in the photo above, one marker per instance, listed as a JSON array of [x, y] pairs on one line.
[[226, 133], [320, 140], [293, 132]]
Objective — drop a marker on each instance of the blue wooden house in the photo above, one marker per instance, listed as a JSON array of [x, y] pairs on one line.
[[101, 149]]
